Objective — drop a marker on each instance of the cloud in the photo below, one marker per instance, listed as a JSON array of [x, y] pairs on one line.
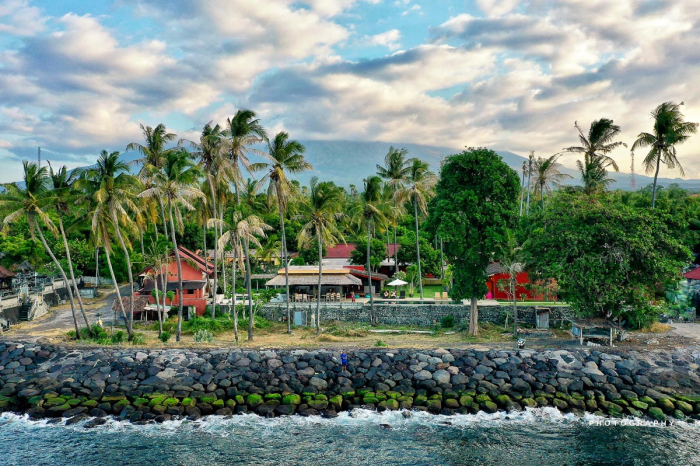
[[20, 19], [388, 39]]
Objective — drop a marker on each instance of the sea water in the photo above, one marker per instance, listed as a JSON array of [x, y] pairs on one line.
[[536, 437]]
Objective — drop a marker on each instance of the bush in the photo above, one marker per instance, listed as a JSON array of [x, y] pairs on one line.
[[380, 343], [203, 323], [165, 336], [118, 337], [203, 335], [138, 339], [448, 321]]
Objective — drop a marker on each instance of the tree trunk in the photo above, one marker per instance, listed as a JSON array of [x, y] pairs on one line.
[[369, 274], [216, 245], [130, 323], [442, 265], [396, 252], [162, 217], [522, 194], [284, 256], [233, 295], [161, 311], [249, 290], [143, 251], [223, 253], [179, 273], [529, 175], [542, 196], [420, 281], [238, 195], [63, 275], [514, 283], [656, 176], [320, 272], [474, 318], [72, 274], [116, 288]]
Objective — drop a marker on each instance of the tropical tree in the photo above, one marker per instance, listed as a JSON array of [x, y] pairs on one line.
[[322, 210], [547, 175], [421, 183], [153, 158], [241, 232], [241, 132], [176, 186], [511, 261], [28, 202], [110, 184], [62, 196], [670, 130], [594, 175], [158, 259], [284, 156], [396, 172], [370, 211], [217, 169]]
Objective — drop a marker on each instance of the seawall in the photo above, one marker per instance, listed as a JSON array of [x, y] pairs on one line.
[[154, 385]]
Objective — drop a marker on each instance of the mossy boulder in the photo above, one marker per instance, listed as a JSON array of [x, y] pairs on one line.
[[577, 404], [488, 406], [686, 408], [639, 405], [37, 401], [656, 414], [451, 403], [119, 405], [320, 397], [187, 402], [92, 403], [362, 392], [591, 405], [218, 404], [542, 401], [560, 404], [73, 402], [503, 401], [612, 408], [678, 414], [634, 412], [370, 400], [254, 400], [380, 396], [393, 395], [648, 400], [273, 396], [390, 404], [666, 405], [231, 403], [482, 398], [420, 400], [434, 406], [528, 403], [292, 399], [466, 400], [137, 402], [158, 400], [336, 402], [211, 398], [240, 400], [114, 397], [168, 402]]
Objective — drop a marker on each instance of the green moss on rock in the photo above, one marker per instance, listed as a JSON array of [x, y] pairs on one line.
[[254, 400], [656, 414], [666, 405], [292, 399], [390, 404]]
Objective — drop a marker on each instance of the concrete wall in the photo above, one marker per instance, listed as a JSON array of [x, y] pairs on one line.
[[413, 314]]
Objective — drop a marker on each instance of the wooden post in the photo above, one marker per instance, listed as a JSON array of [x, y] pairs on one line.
[[581, 334]]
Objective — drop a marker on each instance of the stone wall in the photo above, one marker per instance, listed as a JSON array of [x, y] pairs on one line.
[[422, 315], [155, 385]]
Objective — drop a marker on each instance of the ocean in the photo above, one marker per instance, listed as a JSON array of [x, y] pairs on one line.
[[536, 437]]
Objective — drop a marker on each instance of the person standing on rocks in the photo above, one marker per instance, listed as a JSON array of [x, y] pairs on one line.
[[344, 360]]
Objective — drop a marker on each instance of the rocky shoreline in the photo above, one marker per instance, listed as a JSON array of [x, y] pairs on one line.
[[155, 385]]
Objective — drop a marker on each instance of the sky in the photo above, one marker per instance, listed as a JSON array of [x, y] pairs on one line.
[[77, 77]]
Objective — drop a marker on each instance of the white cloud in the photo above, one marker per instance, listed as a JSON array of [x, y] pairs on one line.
[[389, 39], [413, 8], [20, 19]]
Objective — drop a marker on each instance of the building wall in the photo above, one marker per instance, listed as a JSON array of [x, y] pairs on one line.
[[422, 315], [197, 298], [521, 281]]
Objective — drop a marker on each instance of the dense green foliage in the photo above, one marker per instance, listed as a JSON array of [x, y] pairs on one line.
[[377, 253]]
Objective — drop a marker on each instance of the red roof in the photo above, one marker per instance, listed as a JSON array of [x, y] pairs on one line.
[[693, 274], [198, 260], [342, 251]]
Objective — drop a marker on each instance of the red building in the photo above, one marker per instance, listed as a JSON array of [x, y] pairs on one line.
[[496, 274], [195, 281]]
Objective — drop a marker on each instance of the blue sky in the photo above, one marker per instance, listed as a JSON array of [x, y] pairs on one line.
[[77, 77]]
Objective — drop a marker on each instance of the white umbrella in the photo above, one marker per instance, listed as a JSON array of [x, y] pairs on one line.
[[397, 282]]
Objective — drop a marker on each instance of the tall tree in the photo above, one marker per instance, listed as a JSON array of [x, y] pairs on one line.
[[547, 175], [284, 156], [62, 197], [176, 186], [670, 130], [475, 205], [153, 153], [396, 172], [511, 260], [110, 184], [368, 212], [242, 131], [420, 188], [321, 211], [28, 202]]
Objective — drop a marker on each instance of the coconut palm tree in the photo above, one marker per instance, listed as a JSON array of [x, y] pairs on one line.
[[594, 174], [421, 182], [109, 183], [176, 186], [240, 233], [28, 202], [323, 208], [670, 130], [62, 196], [241, 132], [396, 171], [217, 169], [158, 259], [153, 158], [547, 175], [368, 212], [599, 142], [284, 156]]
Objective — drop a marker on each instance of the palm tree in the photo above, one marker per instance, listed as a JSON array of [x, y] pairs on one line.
[[598, 143], [669, 131], [110, 184], [217, 169], [594, 175], [323, 208], [241, 232], [396, 171], [176, 186], [369, 211], [158, 258], [62, 195], [547, 175], [27, 202], [421, 182], [242, 131], [284, 156], [154, 153]]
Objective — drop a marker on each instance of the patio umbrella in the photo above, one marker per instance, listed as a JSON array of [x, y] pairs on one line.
[[397, 282]]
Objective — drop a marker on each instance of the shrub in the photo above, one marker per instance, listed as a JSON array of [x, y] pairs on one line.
[[380, 343], [448, 321], [165, 336], [138, 339], [118, 337], [203, 335]]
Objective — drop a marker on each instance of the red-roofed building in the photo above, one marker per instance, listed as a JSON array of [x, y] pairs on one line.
[[339, 255], [693, 274]]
